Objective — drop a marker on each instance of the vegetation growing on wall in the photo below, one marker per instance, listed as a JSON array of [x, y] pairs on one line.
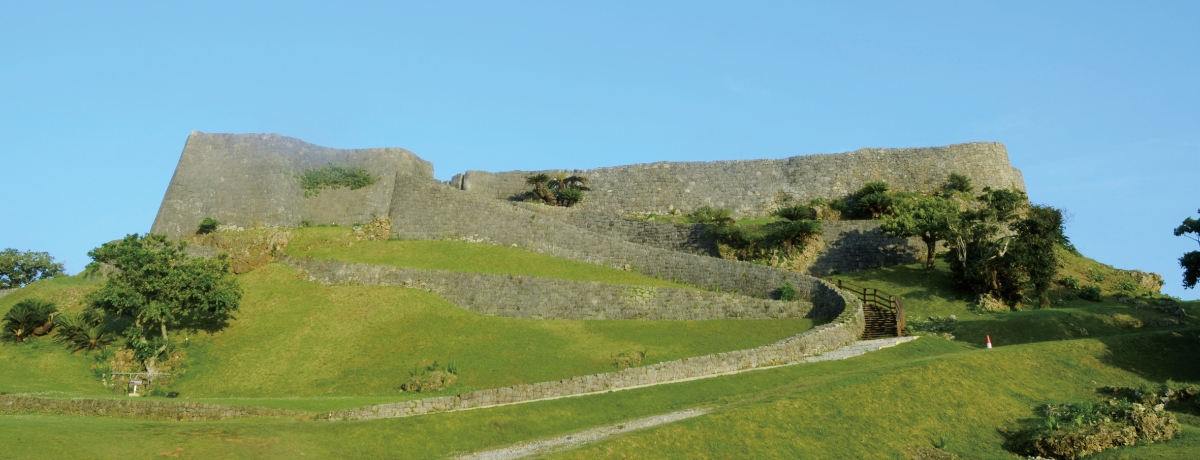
[[561, 189], [334, 176]]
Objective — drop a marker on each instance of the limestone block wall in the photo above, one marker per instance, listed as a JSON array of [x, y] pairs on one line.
[[159, 410], [425, 210], [842, 331], [754, 187], [241, 179], [517, 296]]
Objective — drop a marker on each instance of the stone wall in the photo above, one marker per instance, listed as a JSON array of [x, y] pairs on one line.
[[159, 410], [517, 296], [842, 331], [243, 179], [755, 187]]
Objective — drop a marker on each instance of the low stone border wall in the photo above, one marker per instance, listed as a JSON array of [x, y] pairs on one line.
[[157, 410], [845, 329], [518, 296], [4, 292]]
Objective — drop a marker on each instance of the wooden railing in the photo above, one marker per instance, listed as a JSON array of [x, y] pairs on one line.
[[872, 297]]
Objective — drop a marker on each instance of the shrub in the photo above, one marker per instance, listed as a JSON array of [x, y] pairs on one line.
[[873, 199], [1080, 429], [208, 225], [958, 183], [430, 378], [1091, 293], [1128, 285], [787, 292], [28, 318], [796, 213], [1096, 276], [708, 215], [1069, 282], [85, 331], [333, 176]]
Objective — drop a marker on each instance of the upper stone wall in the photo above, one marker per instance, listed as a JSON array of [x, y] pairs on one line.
[[755, 187], [244, 179]]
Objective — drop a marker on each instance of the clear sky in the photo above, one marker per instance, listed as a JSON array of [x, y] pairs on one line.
[[1098, 102]]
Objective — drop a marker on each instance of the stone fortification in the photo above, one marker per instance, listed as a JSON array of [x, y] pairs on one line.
[[517, 296], [249, 179], [155, 410], [756, 187]]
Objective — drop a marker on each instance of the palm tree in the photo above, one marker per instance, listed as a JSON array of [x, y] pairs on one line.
[[27, 317], [541, 190]]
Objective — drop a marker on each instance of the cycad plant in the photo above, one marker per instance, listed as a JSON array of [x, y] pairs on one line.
[[89, 330], [28, 318]]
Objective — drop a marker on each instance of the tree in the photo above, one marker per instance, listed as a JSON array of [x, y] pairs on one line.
[[156, 285], [20, 268], [925, 217], [1190, 261], [798, 227], [561, 190], [979, 242], [1038, 234]]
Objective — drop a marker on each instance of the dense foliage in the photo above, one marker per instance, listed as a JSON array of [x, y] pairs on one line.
[[1191, 260], [28, 318], [925, 217], [333, 176], [18, 268], [208, 225], [561, 189], [156, 286], [708, 215]]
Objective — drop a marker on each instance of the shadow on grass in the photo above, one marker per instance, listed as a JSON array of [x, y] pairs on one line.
[[1173, 355]]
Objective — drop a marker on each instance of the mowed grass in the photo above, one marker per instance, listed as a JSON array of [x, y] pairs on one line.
[[304, 345], [880, 405], [928, 293], [339, 243], [41, 365]]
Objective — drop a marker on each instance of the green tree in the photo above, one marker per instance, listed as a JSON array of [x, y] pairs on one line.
[[208, 225], [925, 217], [541, 188], [19, 268], [1038, 234], [1190, 261], [157, 286], [979, 242]]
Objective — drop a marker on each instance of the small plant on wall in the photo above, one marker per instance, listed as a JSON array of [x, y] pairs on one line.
[[333, 176], [561, 189]]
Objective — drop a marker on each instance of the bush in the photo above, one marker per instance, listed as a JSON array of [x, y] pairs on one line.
[[28, 318], [873, 200], [796, 213], [85, 331], [332, 176], [959, 183], [208, 225], [1096, 276], [787, 292], [1069, 282], [1091, 293], [1080, 429], [708, 215]]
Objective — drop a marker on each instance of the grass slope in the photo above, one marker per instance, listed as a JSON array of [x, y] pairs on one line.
[[339, 243], [304, 345], [875, 406]]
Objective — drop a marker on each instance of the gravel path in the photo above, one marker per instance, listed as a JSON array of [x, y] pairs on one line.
[[573, 440], [582, 437]]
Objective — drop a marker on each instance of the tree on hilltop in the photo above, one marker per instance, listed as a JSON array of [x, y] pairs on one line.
[[19, 268], [1190, 261], [925, 217]]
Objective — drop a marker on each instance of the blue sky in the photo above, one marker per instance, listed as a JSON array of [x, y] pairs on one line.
[[1097, 101]]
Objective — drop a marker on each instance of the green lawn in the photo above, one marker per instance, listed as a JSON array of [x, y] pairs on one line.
[[874, 406], [339, 243], [298, 344]]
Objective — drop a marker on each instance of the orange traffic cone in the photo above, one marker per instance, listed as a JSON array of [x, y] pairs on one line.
[[989, 339]]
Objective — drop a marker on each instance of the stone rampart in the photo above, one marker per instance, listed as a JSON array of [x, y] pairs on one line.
[[756, 187], [243, 179], [158, 410], [842, 331], [517, 296]]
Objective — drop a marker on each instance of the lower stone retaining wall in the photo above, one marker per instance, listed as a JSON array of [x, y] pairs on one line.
[[844, 330], [517, 296], [157, 410]]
